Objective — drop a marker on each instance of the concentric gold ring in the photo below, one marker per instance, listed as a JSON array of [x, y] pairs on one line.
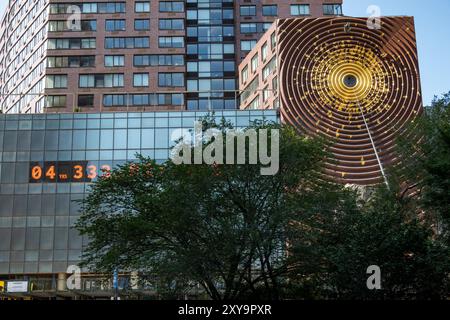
[[315, 57]]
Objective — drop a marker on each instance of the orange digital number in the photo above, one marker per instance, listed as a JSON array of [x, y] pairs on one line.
[[92, 172], [36, 173], [51, 173], [78, 172]]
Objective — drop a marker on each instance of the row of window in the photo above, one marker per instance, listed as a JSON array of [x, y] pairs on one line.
[[254, 62], [116, 80], [296, 10], [63, 25], [211, 87], [248, 45], [113, 7], [255, 27], [119, 100], [267, 10], [115, 61], [114, 43], [208, 16], [211, 104], [113, 25]]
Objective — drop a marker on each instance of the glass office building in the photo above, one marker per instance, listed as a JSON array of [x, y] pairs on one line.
[[48, 161]]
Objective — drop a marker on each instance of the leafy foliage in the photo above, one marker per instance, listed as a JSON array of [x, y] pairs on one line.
[[239, 234], [426, 162], [221, 226]]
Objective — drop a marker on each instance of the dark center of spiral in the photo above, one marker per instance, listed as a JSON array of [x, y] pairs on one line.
[[350, 81]]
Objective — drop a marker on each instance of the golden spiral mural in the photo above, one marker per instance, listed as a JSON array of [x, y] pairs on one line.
[[336, 75]]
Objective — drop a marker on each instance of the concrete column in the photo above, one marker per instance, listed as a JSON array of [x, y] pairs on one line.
[[62, 282]]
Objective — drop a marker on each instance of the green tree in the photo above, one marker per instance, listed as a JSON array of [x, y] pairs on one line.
[[222, 227], [340, 236], [425, 163]]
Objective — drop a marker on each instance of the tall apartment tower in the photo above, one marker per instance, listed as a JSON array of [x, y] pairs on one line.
[[66, 56]]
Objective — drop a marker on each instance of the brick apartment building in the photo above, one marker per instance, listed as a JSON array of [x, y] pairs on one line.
[[133, 55]]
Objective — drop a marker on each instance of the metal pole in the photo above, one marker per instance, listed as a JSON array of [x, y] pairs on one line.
[[374, 147], [116, 284]]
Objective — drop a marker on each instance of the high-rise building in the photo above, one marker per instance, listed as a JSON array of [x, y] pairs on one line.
[[66, 56], [94, 58]]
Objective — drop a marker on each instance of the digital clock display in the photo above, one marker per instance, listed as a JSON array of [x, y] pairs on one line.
[[65, 171]]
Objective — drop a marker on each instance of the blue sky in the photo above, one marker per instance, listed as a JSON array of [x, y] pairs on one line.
[[433, 36]]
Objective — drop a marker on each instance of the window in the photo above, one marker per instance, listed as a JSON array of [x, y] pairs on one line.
[[207, 69], [269, 67], [158, 60], [247, 45], [113, 100], [110, 7], [118, 100], [171, 42], [114, 80], [255, 62], [270, 10], [71, 62], [300, 9], [115, 25], [114, 61], [211, 51], [266, 94], [171, 24], [248, 11], [71, 43], [55, 101], [103, 7], [62, 25], [266, 26], [248, 28], [250, 89], [332, 9], [171, 6], [264, 51], [273, 40], [141, 24], [244, 74], [56, 81], [254, 104], [85, 7], [275, 84], [127, 43], [57, 62], [171, 79], [86, 100], [142, 6], [140, 80]]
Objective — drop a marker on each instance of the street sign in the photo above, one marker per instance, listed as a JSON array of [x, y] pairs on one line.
[[17, 286]]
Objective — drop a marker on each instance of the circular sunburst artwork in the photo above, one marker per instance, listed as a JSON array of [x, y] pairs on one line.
[[356, 85]]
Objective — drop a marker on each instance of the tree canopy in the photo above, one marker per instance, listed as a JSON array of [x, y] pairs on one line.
[[239, 234]]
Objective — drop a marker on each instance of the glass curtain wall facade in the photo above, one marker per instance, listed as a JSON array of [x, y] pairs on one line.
[[48, 161], [210, 54]]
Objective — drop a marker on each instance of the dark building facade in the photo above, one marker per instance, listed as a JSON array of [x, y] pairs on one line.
[[66, 56], [342, 78], [48, 161]]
